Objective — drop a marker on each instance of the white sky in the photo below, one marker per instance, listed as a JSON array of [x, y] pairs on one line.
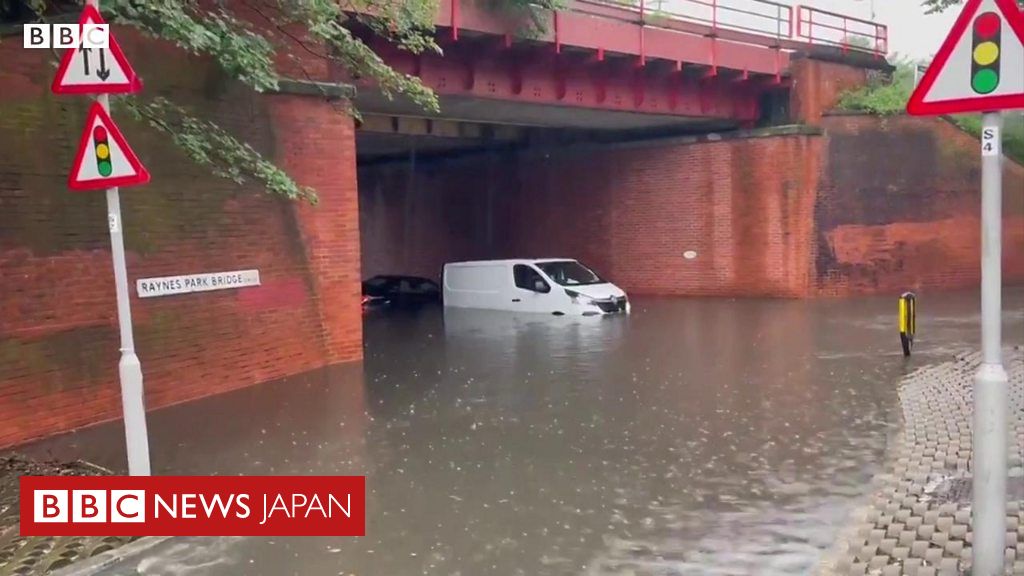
[[911, 33]]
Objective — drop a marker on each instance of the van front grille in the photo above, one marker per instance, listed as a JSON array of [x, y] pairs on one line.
[[612, 305]]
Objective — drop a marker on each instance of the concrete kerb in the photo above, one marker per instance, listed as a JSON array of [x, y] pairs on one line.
[[104, 560], [916, 519]]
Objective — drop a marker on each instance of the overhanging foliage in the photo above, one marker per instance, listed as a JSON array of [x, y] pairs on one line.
[[246, 37]]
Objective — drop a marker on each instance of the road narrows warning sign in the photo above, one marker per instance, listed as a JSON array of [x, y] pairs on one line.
[[980, 66], [95, 70], [104, 159]]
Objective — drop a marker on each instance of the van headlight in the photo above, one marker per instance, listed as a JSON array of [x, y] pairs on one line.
[[580, 298]]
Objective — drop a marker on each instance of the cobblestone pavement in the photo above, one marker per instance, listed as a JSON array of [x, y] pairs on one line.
[[39, 555], [918, 520]]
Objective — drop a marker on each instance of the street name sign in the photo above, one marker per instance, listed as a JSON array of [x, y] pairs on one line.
[[95, 70], [980, 66], [168, 285], [104, 158]]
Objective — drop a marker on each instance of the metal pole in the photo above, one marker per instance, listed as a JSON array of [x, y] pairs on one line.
[[129, 368], [990, 383]]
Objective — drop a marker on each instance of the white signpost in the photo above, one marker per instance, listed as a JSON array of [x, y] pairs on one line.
[[980, 68], [104, 160]]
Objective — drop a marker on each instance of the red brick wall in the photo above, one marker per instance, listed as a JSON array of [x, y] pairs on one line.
[[817, 85], [876, 206], [412, 221], [58, 338], [898, 207], [745, 206], [316, 144]]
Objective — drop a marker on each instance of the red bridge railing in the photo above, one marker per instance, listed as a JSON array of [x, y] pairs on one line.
[[823, 27], [763, 22], [761, 17]]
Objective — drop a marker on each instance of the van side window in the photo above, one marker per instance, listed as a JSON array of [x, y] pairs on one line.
[[529, 279]]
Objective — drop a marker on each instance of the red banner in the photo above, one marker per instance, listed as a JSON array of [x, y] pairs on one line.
[[193, 505]]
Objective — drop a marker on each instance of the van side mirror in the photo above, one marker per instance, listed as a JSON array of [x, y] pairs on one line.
[[540, 286]]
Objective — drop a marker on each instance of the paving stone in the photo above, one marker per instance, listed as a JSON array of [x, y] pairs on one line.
[[933, 555], [949, 567], [910, 566], [867, 552], [965, 554], [953, 547], [892, 571], [878, 562], [917, 549], [944, 523], [919, 521], [864, 530]]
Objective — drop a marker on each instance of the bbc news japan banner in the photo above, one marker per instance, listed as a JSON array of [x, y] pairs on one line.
[[193, 505]]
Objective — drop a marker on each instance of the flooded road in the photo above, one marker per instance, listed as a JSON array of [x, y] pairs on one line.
[[696, 436]]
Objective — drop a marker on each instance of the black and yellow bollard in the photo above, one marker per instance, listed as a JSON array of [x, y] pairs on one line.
[[908, 321]]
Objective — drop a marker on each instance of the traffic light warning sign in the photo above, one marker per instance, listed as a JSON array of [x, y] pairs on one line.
[[104, 159], [980, 66]]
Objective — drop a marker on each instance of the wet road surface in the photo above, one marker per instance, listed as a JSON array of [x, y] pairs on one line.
[[697, 436]]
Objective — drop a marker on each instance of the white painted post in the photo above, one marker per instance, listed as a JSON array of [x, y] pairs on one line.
[[990, 383], [129, 368]]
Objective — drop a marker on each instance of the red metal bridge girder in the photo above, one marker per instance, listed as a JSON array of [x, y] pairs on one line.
[[592, 81]]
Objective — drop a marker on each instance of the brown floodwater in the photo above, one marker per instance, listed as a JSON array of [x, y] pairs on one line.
[[696, 436]]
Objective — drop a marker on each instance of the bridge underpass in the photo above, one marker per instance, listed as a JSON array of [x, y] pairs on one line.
[[462, 185], [593, 188], [578, 139]]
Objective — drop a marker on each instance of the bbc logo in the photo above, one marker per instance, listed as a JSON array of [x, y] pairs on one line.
[[63, 506], [66, 36]]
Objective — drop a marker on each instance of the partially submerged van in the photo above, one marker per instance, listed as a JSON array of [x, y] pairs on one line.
[[559, 286]]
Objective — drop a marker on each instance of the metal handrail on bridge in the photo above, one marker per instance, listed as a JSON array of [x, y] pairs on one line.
[[748, 21], [760, 17], [817, 26]]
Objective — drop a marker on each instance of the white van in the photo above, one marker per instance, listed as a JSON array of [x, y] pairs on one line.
[[558, 286]]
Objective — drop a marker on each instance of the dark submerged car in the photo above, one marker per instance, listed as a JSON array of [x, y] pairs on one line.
[[400, 291]]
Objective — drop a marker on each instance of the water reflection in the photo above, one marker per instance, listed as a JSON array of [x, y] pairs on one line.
[[692, 437]]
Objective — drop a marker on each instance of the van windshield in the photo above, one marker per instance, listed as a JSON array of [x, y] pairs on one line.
[[569, 273]]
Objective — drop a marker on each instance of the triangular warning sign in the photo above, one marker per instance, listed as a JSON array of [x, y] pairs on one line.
[[980, 66], [104, 159], [95, 70]]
